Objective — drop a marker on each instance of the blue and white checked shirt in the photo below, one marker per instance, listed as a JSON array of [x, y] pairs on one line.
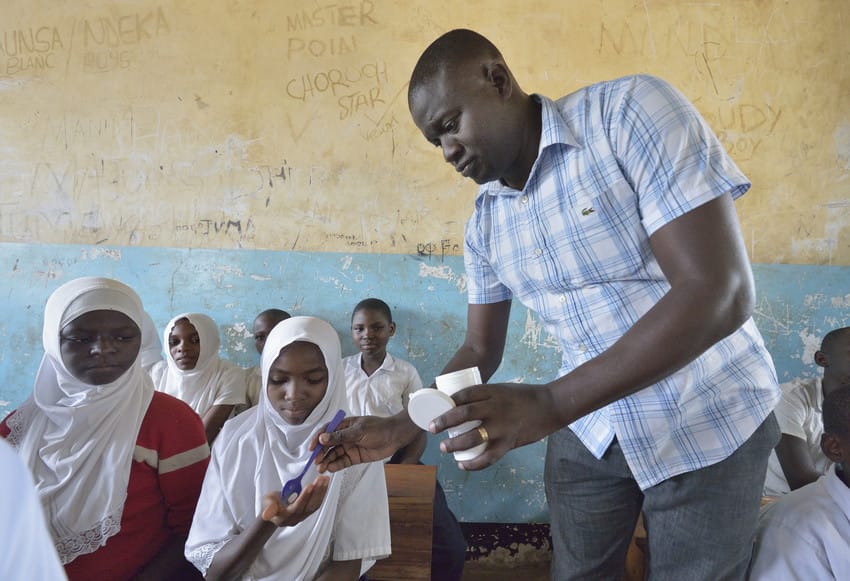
[[617, 161]]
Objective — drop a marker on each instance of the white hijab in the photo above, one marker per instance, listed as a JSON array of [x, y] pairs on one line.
[[199, 387], [260, 438], [151, 351], [78, 439]]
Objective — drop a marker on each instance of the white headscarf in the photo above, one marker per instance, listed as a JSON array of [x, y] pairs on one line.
[[202, 386], [78, 439], [232, 498], [151, 351]]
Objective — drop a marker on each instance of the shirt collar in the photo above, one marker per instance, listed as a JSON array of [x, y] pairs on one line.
[[388, 364], [554, 131]]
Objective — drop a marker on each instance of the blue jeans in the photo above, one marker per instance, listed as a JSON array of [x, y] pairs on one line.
[[700, 525]]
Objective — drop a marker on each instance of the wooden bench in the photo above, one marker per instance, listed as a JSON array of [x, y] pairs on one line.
[[410, 489]]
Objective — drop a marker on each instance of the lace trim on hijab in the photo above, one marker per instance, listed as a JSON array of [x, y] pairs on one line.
[[89, 541], [202, 557], [17, 424]]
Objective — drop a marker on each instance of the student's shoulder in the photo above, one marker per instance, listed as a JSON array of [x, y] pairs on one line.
[[235, 435], [801, 390], [167, 413], [402, 364], [810, 504], [162, 403], [351, 361]]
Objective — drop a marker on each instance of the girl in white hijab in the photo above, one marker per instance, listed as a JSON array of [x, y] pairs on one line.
[[193, 371], [242, 529], [80, 430]]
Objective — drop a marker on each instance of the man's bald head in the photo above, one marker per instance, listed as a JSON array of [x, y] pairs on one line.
[[454, 49]]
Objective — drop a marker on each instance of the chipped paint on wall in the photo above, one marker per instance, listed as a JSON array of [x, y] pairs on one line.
[[796, 306], [444, 272]]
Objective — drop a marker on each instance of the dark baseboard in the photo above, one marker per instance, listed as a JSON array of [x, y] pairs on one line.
[[508, 543]]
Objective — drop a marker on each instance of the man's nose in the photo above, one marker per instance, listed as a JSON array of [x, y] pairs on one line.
[[451, 149]]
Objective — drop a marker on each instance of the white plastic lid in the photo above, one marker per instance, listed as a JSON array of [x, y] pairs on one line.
[[427, 404]]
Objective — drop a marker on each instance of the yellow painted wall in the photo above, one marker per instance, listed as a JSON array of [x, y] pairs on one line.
[[283, 124]]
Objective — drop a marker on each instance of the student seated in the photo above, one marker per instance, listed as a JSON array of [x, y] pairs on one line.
[[193, 371], [242, 528], [379, 384], [117, 466], [797, 459], [263, 325], [805, 535]]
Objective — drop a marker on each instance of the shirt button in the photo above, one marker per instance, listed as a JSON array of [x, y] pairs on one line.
[[582, 348], [562, 298], [524, 199], [538, 252]]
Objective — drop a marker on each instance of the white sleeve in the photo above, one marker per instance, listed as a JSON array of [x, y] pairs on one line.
[[791, 413], [26, 549], [362, 523], [414, 383], [213, 525]]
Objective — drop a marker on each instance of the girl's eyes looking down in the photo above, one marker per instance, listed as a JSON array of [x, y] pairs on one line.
[[314, 379]]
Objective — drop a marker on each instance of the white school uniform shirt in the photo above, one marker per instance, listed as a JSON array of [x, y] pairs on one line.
[[798, 414], [805, 535], [385, 392], [253, 385], [26, 548]]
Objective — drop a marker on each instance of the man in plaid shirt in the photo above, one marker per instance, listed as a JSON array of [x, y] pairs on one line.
[[610, 214]]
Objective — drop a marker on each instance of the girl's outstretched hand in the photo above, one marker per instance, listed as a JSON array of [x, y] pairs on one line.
[[277, 512]]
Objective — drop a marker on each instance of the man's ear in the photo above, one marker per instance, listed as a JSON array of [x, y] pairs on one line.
[[498, 76], [392, 329], [832, 448], [821, 359]]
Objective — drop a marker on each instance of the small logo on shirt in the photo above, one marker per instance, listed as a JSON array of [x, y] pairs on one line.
[[587, 211]]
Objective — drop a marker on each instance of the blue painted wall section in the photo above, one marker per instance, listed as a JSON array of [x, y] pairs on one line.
[[796, 306]]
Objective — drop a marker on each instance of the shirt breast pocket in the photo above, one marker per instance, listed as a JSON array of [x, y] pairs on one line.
[[606, 240]]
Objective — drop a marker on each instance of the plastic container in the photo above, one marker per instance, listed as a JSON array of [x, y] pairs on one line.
[[427, 404]]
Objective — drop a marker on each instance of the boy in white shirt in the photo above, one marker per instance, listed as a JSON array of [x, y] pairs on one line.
[[797, 459], [806, 534], [379, 384], [263, 325]]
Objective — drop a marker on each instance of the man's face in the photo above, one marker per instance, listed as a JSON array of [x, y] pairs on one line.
[[464, 114]]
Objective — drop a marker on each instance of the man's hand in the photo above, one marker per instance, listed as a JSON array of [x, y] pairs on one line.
[[512, 415], [277, 512], [364, 439]]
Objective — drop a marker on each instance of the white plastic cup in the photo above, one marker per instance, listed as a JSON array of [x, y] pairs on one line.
[[450, 383]]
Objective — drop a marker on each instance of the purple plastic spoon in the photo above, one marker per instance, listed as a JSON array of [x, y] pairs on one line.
[[292, 487]]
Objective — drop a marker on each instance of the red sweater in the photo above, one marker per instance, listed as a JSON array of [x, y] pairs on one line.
[[169, 463]]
